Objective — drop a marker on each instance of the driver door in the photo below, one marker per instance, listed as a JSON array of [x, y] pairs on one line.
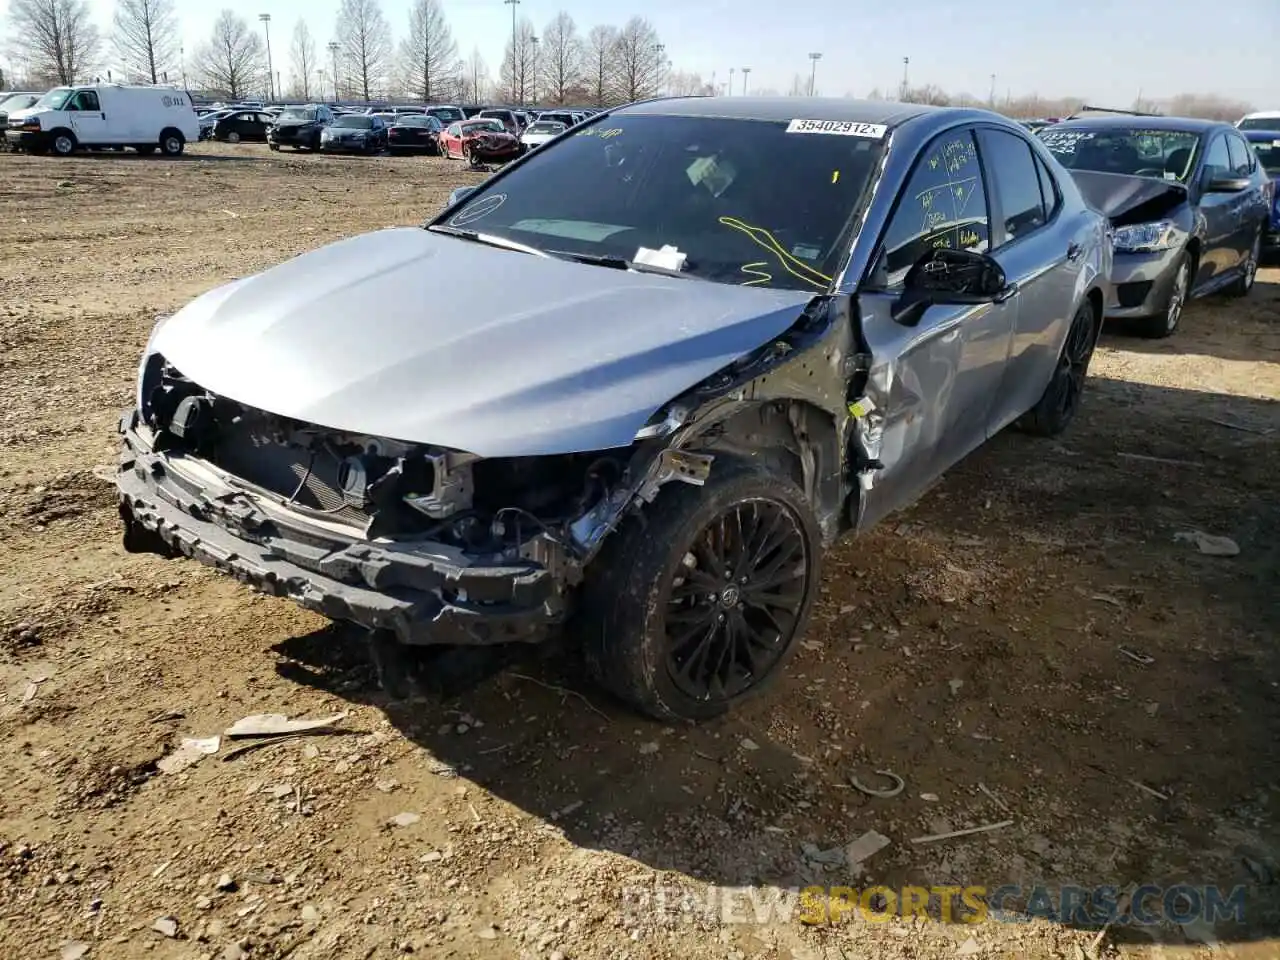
[[940, 375], [88, 122]]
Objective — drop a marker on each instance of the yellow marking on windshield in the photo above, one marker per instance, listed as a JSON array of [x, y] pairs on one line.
[[763, 238], [758, 271], [835, 176]]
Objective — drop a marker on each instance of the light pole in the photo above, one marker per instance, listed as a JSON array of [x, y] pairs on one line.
[[659, 51], [513, 4], [730, 88], [746, 73], [271, 77], [333, 53], [532, 89], [182, 54], [813, 70], [993, 91], [906, 63]]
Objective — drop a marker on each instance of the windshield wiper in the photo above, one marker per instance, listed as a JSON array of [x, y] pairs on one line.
[[619, 263], [489, 240]]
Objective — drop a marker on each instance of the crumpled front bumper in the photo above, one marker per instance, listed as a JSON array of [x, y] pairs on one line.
[[425, 592]]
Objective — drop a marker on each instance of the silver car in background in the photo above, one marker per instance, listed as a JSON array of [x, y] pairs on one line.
[[712, 372], [541, 131]]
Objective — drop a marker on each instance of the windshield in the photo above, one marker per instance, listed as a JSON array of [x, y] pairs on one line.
[[358, 123], [483, 126], [708, 187], [416, 120], [19, 101], [305, 114], [1135, 151], [1259, 123], [446, 114], [55, 98], [543, 126], [1268, 152]]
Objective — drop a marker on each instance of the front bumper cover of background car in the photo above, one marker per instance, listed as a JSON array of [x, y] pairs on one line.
[[425, 592]]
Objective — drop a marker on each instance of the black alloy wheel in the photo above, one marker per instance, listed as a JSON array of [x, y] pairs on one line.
[[1061, 400], [735, 600], [697, 603]]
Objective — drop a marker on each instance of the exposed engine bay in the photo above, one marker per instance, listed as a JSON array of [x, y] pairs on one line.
[[381, 488]]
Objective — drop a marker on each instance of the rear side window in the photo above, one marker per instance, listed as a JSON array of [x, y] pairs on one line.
[[1218, 159], [1016, 181], [1048, 190], [943, 205]]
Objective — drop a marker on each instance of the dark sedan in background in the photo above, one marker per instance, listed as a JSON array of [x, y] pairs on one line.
[[1188, 201], [416, 133], [299, 127], [243, 125], [354, 133], [1266, 144]]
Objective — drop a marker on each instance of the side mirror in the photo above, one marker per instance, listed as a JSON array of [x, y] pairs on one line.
[[945, 276], [459, 194], [1226, 184]]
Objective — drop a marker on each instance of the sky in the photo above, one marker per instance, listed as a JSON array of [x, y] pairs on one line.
[[1106, 51]]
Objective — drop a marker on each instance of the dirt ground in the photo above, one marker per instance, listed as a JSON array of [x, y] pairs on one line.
[[1031, 643]]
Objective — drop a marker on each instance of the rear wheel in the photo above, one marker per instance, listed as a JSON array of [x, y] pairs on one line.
[[1163, 324], [1249, 271], [698, 603], [1060, 401], [233, 137], [172, 143]]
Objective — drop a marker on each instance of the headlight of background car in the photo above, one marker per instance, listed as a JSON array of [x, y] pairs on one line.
[[1145, 237]]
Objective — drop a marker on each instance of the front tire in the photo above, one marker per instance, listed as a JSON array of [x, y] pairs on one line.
[[697, 604], [1164, 324], [1061, 399], [233, 137], [62, 142]]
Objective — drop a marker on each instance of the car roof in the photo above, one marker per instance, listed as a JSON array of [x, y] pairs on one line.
[[1126, 122], [1263, 135], [782, 108], [1262, 115]]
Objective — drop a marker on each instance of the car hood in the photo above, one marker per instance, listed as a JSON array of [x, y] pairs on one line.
[[558, 357], [1131, 199]]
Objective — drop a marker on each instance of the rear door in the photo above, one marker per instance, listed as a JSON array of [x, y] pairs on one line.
[[1037, 253], [947, 366], [1251, 211]]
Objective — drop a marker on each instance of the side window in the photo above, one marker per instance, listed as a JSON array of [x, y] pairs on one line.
[[1239, 154], [1048, 190], [454, 130], [1217, 158], [1009, 162], [85, 100], [942, 205]]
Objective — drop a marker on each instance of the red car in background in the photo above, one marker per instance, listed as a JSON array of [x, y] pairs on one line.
[[479, 140]]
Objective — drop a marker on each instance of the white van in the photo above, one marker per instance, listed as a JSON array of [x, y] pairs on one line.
[[106, 115]]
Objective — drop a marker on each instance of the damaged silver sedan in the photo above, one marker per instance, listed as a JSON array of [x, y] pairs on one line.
[[727, 332]]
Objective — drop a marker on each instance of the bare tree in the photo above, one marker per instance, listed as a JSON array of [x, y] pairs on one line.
[[302, 56], [58, 37], [233, 59], [637, 60], [519, 63], [146, 37], [599, 64], [366, 44], [475, 78], [561, 57], [429, 55], [681, 84]]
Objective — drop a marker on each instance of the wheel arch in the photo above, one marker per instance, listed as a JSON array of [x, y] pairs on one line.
[[59, 131]]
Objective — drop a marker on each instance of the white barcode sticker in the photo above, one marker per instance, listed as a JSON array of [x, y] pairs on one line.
[[839, 128]]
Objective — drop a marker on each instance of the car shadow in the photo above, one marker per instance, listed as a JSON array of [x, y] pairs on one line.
[[1219, 326], [1038, 641]]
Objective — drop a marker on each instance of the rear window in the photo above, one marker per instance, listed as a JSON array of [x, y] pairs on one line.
[[1134, 151], [1260, 123], [353, 122], [1268, 152], [446, 114]]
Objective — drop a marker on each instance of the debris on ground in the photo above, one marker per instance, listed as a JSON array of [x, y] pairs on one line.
[[406, 819], [1209, 544], [898, 785], [862, 848], [191, 751], [968, 831], [279, 725], [168, 926]]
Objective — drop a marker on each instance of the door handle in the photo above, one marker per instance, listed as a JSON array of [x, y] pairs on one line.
[[1074, 250], [1006, 293]]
